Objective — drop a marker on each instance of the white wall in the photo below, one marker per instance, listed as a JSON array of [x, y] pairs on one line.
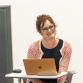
[[67, 14]]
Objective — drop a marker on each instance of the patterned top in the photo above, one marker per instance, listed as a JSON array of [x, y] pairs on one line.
[[35, 52]]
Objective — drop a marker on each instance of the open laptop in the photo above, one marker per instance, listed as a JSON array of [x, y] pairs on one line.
[[45, 66]]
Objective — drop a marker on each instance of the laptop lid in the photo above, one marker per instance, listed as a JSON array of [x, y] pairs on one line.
[[45, 66]]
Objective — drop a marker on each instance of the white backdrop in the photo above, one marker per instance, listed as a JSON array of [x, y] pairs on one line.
[[68, 15]]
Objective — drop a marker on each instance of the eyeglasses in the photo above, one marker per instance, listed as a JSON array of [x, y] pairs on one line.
[[47, 28]]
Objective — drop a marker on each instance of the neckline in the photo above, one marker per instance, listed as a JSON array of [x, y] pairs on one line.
[[42, 46]]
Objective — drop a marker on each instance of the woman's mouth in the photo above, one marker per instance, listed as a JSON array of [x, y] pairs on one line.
[[50, 34]]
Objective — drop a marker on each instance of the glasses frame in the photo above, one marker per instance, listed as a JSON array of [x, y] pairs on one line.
[[51, 27]]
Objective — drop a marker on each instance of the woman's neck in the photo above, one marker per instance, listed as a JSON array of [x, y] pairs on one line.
[[50, 43]]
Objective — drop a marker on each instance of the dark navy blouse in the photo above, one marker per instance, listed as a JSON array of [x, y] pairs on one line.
[[52, 53]]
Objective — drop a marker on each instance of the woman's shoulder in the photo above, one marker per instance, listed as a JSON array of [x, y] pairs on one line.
[[67, 44], [34, 44]]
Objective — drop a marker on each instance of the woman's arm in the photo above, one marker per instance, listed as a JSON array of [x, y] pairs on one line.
[[64, 62], [33, 51]]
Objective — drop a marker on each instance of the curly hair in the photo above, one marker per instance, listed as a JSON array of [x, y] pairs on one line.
[[41, 19]]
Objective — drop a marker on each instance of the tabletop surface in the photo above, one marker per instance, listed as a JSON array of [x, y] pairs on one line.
[[23, 75]]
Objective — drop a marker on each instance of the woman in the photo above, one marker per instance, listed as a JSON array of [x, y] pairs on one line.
[[50, 47]]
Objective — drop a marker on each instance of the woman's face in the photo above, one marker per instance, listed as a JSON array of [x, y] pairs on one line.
[[48, 30]]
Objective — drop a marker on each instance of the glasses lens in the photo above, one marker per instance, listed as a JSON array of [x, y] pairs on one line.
[[47, 28]]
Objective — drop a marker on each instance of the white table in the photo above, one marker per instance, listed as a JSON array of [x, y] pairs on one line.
[[22, 76]]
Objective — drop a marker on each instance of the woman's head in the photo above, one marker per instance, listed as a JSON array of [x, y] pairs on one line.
[[41, 19], [46, 26]]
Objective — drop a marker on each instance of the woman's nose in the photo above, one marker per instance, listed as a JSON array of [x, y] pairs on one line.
[[49, 30]]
